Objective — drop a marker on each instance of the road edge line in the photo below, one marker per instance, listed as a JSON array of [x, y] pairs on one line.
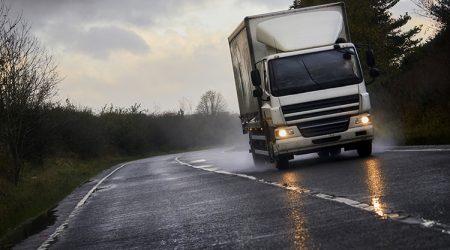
[[53, 237]]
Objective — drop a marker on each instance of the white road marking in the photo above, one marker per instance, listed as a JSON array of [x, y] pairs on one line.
[[443, 228], [52, 238], [197, 161], [209, 167], [205, 166]]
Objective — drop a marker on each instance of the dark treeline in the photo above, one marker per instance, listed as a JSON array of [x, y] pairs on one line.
[[68, 131], [416, 101]]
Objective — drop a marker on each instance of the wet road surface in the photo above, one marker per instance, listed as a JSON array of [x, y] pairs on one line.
[[216, 198]]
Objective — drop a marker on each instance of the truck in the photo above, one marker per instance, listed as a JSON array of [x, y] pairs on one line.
[[300, 85]]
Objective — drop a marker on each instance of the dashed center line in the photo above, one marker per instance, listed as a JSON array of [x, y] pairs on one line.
[[443, 228]]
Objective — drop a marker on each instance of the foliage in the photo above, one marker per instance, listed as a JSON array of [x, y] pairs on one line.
[[129, 131], [211, 103], [371, 23], [417, 98], [438, 10], [27, 81]]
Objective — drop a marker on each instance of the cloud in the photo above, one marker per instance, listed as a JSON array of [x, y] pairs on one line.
[[100, 42], [269, 3], [134, 12]]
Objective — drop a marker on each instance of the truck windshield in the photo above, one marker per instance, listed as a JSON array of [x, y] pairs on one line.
[[315, 71]]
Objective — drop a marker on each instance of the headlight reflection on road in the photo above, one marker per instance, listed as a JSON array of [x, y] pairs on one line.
[[376, 186], [301, 234]]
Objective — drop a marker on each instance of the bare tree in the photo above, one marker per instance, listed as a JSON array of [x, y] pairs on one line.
[[211, 103], [28, 79], [438, 10], [185, 105]]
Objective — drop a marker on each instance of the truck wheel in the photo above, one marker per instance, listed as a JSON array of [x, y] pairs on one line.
[[324, 154], [335, 152], [282, 163], [364, 149]]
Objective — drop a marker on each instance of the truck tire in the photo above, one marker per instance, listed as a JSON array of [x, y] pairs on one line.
[[364, 149], [329, 153], [324, 154], [282, 162], [335, 152]]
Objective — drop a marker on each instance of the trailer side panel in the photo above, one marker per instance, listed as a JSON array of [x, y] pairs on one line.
[[242, 67]]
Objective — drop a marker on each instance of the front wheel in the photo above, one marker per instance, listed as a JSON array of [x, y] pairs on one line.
[[324, 155], [282, 162], [364, 149], [329, 153]]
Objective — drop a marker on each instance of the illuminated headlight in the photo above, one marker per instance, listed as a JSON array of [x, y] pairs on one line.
[[364, 119], [284, 132]]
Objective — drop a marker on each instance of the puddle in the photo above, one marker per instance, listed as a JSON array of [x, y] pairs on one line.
[[28, 229]]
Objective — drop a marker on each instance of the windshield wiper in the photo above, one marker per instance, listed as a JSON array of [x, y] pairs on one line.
[[309, 73]]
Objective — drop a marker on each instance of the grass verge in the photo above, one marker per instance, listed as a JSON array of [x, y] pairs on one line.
[[430, 128], [42, 188]]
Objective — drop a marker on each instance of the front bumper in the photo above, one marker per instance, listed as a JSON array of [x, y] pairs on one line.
[[299, 145]]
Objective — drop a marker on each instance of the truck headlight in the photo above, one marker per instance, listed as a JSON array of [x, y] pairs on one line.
[[284, 132], [363, 119]]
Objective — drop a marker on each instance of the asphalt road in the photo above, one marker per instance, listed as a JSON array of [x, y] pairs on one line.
[[397, 198]]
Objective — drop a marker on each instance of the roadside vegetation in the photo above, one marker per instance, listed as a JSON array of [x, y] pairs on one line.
[[414, 101]]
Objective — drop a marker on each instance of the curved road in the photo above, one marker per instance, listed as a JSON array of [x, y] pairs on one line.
[[398, 198]]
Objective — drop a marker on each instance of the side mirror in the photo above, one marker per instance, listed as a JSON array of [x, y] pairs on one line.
[[370, 58], [374, 72], [257, 92], [256, 78]]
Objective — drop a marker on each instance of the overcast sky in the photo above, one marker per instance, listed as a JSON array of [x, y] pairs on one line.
[[153, 52]]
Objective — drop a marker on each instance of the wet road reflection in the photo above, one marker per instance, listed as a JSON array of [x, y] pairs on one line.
[[376, 186], [301, 235]]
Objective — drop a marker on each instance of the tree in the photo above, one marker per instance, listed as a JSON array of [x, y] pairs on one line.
[[28, 79], [211, 103], [372, 23], [438, 10], [185, 105]]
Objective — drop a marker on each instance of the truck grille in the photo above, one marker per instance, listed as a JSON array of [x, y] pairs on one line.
[[324, 126], [340, 108]]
